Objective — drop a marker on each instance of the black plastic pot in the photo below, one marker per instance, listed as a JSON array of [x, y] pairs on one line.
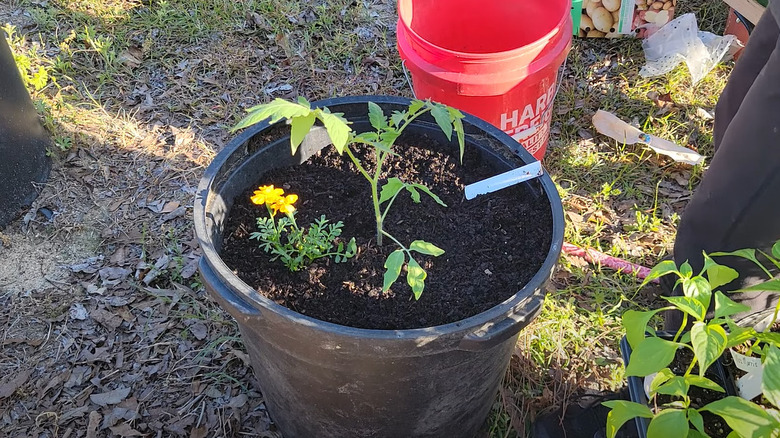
[[325, 380], [23, 141], [637, 389]]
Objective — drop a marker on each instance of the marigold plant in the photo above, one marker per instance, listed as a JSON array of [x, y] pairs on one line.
[[284, 240]]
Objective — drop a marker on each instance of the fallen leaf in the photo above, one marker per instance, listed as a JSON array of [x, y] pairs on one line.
[[199, 330], [704, 114], [7, 389], [238, 401], [178, 212], [124, 429], [108, 319], [170, 206], [78, 311], [110, 397], [94, 423], [199, 432]]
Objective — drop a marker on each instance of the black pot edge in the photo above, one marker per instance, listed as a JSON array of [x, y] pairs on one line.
[[506, 308], [636, 387]]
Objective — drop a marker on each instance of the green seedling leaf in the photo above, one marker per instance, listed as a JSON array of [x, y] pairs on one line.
[[276, 110], [301, 125], [376, 116], [771, 285], [390, 189], [770, 338], [661, 269], [686, 270], [442, 117], [708, 342], [427, 191], [698, 288], [669, 423], [662, 377], [746, 418], [688, 305], [703, 382], [776, 250], [696, 419], [725, 306], [303, 102], [718, 275], [424, 247], [415, 276], [739, 335], [337, 128], [413, 191], [675, 386], [393, 266], [368, 137], [651, 356], [635, 324], [623, 411], [771, 380]]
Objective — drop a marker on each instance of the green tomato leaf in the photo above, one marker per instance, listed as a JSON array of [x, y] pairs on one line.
[[429, 193], [746, 418], [413, 191], [675, 386], [275, 110], [725, 306], [393, 266], [415, 276], [703, 382], [661, 269], [635, 324], [390, 189], [376, 116], [651, 356], [669, 423], [337, 128], [709, 342], [415, 106], [696, 419], [301, 125], [458, 125], [397, 118], [442, 117], [771, 380], [660, 378], [718, 275], [689, 305], [424, 247], [698, 288], [623, 411], [388, 138]]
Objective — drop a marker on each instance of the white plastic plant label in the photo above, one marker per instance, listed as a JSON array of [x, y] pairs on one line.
[[749, 385]]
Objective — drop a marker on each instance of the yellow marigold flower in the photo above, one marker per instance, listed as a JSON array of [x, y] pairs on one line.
[[266, 195], [285, 204]]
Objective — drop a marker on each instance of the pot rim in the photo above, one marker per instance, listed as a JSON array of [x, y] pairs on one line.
[[496, 313]]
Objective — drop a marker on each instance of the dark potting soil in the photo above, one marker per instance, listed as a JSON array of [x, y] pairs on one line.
[[714, 425], [493, 244]]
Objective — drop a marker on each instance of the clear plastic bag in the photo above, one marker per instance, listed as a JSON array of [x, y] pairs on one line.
[[681, 41]]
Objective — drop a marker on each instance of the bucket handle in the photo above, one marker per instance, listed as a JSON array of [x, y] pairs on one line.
[[492, 334]]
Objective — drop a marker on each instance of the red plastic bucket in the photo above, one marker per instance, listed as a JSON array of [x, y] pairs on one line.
[[495, 59]]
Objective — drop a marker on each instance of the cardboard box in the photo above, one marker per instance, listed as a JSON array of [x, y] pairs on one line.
[[616, 18]]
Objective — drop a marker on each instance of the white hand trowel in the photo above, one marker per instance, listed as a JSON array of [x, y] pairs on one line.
[[611, 126]]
